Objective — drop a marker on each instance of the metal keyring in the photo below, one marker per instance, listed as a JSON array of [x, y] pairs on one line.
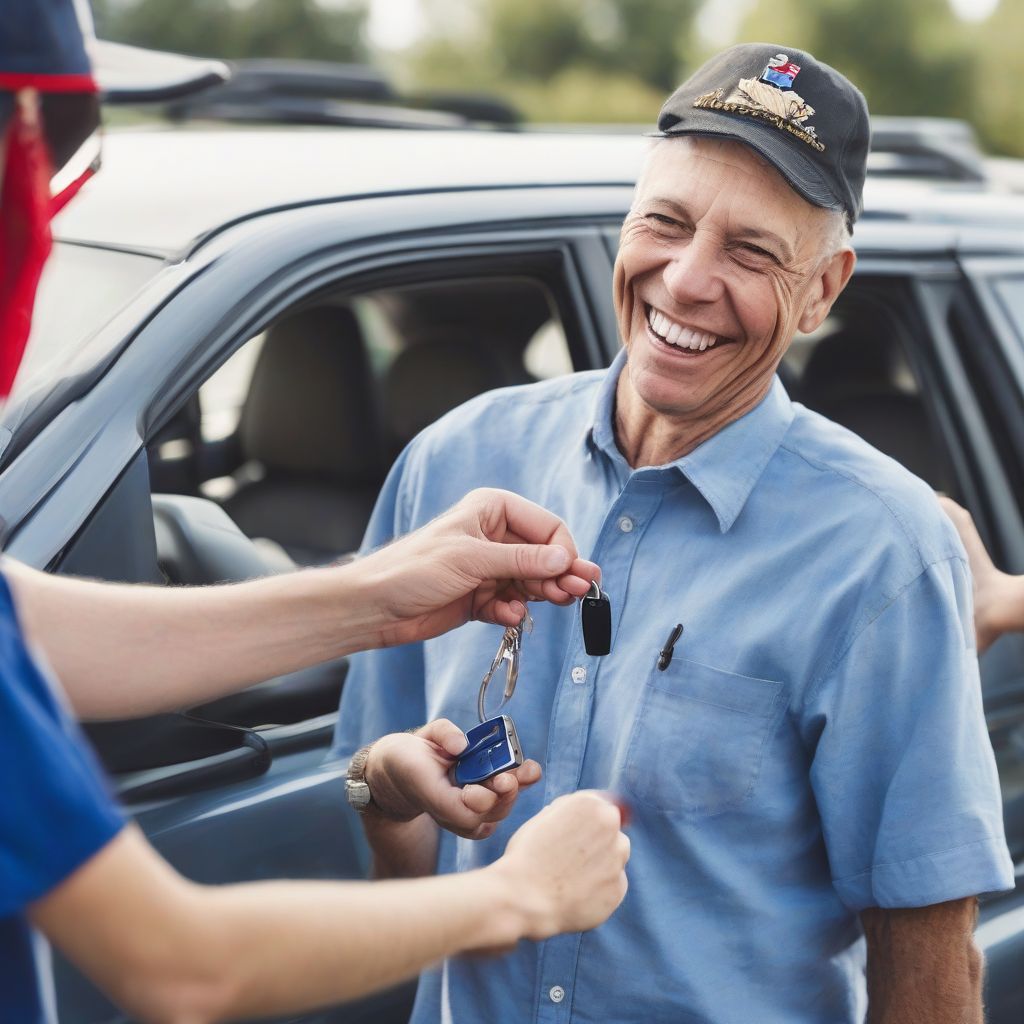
[[508, 651]]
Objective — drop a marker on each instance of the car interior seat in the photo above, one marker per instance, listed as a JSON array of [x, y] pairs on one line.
[[852, 377], [310, 438], [433, 376], [460, 339]]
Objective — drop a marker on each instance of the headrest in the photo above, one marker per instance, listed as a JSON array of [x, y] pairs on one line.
[[852, 361], [433, 376], [310, 408]]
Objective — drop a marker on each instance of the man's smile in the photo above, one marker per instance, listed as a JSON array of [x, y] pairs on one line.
[[681, 337]]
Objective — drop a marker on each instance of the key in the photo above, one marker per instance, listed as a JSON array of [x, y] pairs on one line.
[[596, 621], [493, 749]]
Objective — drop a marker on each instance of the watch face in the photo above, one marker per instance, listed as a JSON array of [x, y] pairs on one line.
[[358, 793]]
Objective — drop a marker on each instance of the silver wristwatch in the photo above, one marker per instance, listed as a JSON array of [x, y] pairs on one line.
[[357, 789]]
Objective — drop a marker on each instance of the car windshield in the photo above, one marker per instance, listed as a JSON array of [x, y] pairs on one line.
[[80, 290]]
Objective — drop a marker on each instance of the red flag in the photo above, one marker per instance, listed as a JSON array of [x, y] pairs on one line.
[[25, 239]]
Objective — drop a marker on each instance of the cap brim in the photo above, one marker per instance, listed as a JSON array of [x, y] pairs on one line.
[[131, 74], [800, 171]]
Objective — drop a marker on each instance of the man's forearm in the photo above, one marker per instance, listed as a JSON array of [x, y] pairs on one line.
[[401, 849], [124, 650], [923, 966]]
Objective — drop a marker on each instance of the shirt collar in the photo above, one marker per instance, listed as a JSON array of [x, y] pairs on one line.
[[726, 467]]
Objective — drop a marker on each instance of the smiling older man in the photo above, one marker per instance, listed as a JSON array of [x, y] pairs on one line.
[[809, 765]]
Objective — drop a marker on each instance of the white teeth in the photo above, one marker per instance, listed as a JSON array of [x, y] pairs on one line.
[[678, 335]]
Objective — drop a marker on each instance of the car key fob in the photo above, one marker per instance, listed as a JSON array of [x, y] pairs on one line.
[[596, 621], [493, 749]]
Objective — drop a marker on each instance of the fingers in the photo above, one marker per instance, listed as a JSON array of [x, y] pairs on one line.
[[447, 735], [503, 512], [522, 561], [528, 773]]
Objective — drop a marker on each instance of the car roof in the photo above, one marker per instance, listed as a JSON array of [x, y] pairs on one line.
[[161, 188]]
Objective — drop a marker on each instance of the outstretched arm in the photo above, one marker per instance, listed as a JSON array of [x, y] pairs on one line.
[[998, 596], [122, 650], [166, 949]]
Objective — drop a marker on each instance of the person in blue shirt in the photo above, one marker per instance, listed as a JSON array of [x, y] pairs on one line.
[[72, 870], [815, 799]]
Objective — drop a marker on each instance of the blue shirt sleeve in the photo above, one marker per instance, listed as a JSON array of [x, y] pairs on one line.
[[384, 689], [903, 769], [55, 811]]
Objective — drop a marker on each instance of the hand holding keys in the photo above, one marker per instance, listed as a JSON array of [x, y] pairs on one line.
[[493, 745]]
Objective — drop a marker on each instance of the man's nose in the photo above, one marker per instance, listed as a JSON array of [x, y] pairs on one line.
[[693, 275]]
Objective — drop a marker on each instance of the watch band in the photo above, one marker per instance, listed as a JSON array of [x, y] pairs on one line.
[[357, 790]]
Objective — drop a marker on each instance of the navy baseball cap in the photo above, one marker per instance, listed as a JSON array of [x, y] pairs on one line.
[[804, 117], [50, 46]]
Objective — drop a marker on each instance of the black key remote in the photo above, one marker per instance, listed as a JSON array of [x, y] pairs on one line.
[[596, 620]]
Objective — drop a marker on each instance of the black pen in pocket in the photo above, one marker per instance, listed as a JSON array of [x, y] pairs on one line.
[[665, 654]]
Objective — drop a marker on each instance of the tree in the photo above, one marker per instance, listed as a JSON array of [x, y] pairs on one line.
[[907, 56], [243, 28], [561, 59], [1000, 64]]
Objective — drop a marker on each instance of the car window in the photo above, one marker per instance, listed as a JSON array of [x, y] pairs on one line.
[[1010, 292], [80, 290], [857, 369]]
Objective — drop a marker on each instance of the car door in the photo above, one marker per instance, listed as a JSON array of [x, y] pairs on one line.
[[242, 790]]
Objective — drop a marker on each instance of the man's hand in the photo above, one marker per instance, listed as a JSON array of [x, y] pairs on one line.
[[998, 596], [408, 776], [482, 559], [568, 865]]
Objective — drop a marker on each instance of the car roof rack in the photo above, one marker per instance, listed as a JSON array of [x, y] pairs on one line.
[[937, 148], [323, 93]]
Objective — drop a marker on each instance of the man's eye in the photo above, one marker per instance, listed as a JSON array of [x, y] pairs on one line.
[[661, 220], [756, 250]]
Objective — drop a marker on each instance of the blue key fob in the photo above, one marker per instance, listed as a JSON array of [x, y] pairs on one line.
[[493, 748]]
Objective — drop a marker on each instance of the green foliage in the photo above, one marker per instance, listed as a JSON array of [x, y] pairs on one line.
[[244, 28], [914, 57], [591, 60], [907, 56], [615, 60], [999, 111]]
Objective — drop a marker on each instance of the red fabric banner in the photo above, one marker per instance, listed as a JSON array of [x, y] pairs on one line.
[[25, 239]]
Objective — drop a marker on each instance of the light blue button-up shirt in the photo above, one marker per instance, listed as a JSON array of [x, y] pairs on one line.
[[816, 745]]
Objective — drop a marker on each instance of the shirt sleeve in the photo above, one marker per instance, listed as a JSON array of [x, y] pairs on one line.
[[384, 689], [903, 769], [56, 811]]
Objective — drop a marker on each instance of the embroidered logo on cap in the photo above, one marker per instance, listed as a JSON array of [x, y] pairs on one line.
[[770, 97]]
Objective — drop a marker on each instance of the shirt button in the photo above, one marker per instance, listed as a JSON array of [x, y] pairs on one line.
[[626, 524], [556, 993], [579, 674]]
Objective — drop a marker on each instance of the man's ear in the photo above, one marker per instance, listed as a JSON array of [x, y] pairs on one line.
[[831, 279]]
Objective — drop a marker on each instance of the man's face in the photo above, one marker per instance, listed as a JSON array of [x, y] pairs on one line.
[[720, 262]]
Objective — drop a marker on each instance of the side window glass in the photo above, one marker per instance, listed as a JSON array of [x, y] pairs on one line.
[[857, 370], [434, 346], [1010, 292], [294, 434]]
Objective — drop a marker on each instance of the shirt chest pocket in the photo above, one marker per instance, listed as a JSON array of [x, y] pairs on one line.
[[699, 738]]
